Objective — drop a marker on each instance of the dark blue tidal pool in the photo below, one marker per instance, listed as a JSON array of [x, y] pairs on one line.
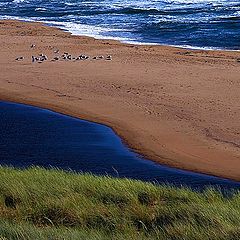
[[34, 136]]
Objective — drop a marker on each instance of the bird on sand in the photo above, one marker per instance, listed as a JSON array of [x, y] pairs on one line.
[[109, 58], [55, 59], [19, 58]]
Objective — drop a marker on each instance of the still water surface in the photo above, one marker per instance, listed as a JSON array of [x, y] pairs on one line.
[[34, 136]]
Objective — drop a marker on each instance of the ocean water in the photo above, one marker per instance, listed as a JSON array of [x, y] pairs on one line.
[[187, 23], [34, 136]]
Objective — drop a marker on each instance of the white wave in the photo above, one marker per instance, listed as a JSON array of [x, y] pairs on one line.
[[69, 4], [6, 17], [41, 9], [196, 1], [98, 33], [19, 1], [87, 30]]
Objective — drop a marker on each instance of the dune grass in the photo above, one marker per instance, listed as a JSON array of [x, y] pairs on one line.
[[52, 204]]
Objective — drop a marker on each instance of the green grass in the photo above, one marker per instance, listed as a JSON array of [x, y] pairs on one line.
[[52, 204]]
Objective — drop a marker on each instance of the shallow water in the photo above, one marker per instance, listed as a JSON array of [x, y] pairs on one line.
[[33, 136], [195, 23]]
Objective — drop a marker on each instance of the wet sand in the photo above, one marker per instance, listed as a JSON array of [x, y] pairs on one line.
[[177, 107]]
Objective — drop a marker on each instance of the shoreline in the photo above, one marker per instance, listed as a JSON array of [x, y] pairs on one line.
[[145, 156], [201, 176], [128, 42], [135, 42], [28, 92]]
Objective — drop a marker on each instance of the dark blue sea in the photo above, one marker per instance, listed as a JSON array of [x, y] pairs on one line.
[[31, 136], [187, 23]]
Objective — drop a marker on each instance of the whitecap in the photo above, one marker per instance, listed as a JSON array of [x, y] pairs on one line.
[[40, 9], [19, 1], [88, 30], [69, 4]]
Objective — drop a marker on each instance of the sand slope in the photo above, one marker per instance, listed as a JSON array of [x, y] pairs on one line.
[[178, 107]]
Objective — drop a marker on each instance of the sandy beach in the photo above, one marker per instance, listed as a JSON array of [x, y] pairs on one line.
[[178, 107]]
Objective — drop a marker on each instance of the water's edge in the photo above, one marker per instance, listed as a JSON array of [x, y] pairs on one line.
[[135, 166], [123, 41]]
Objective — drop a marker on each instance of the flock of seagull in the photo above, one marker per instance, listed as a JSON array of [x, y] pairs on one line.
[[65, 56]]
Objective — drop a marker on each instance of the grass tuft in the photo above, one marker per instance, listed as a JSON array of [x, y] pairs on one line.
[[53, 204], [11, 201]]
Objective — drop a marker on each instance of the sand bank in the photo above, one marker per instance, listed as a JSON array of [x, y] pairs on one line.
[[176, 106]]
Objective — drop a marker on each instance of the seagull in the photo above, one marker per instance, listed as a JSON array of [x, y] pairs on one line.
[[33, 59], [55, 59], [19, 58], [33, 45], [56, 51], [98, 57], [44, 57], [83, 57], [109, 58]]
